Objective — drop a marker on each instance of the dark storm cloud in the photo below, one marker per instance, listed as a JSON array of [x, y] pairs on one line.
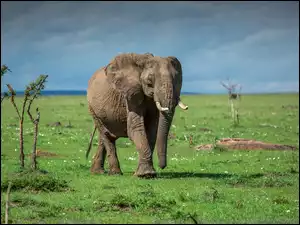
[[255, 43]]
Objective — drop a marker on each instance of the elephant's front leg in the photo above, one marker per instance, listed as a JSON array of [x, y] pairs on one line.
[[151, 124], [137, 133]]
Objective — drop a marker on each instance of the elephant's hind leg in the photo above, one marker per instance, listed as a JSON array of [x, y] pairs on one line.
[[99, 158], [112, 157]]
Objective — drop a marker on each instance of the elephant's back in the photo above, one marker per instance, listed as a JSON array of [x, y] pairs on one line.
[[99, 75]]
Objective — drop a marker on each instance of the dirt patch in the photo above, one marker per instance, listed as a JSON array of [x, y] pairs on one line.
[[245, 144], [59, 124], [40, 153]]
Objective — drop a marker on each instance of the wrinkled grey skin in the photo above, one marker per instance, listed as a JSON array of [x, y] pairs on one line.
[[134, 96]]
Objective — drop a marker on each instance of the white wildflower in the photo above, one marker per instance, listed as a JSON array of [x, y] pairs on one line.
[[288, 211], [131, 158]]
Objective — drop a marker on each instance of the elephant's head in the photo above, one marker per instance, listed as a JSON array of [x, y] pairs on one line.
[[140, 75]]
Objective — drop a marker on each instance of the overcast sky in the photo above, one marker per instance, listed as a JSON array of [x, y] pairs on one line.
[[253, 43]]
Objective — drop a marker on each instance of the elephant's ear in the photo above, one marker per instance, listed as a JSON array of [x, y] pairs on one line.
[[175, 63], [177, 76], [124, 75]]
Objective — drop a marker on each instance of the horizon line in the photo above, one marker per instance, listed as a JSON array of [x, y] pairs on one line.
[[183, 92]]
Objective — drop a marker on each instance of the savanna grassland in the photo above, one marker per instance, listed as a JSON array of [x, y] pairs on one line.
[[209, 186]]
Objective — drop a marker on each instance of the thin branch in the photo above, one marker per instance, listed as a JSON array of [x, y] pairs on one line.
[[39, 85], [7, 203], [4, 70], [28, 111], [23, 106], [193, 218], [36, 123], [12, 99], [224, 85]]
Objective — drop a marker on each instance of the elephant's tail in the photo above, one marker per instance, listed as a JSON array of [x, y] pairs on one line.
[[90, 143]]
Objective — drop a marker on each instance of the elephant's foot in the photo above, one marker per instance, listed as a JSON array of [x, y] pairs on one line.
[[97, 171], [145, 171], [96, 168], [115, 171]]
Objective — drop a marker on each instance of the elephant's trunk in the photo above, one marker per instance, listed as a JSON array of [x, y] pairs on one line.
[[165, 120], [165, 100]]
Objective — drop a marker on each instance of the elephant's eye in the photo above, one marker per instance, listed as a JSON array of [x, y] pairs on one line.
[[149, 81], [149, 84]]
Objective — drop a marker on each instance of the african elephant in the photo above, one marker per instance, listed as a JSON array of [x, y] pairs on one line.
[[134, 96]]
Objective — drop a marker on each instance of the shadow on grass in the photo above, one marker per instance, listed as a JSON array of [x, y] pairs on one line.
[[174, 175]]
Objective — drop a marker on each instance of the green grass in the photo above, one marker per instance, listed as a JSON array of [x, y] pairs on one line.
[[219, 186]]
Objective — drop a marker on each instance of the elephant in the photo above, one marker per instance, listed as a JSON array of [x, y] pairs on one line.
[[134, 96]]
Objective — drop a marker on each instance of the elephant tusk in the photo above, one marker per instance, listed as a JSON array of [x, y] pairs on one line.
[[162, 109], [182, 105]]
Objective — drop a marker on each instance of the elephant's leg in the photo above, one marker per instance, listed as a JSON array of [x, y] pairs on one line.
[[112, 157], [99, 158], [151, 124], [137, 133]]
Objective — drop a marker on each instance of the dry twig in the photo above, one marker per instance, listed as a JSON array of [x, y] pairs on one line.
[[7, 203]]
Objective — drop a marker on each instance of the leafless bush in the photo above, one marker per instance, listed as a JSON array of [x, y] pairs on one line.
[[234, 98], [31, 93]]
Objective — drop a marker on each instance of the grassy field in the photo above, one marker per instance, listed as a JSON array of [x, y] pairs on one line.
[[218, 186]]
